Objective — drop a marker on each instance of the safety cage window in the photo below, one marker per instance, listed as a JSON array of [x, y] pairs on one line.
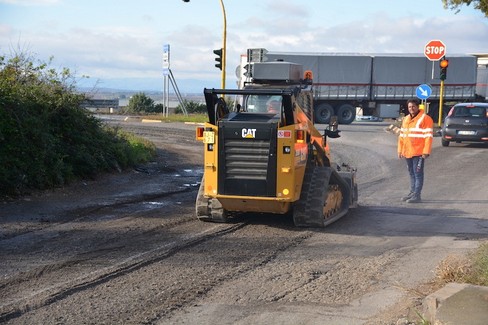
[[263, 104]]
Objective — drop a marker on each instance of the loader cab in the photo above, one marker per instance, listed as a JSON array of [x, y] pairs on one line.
[[276, 108], [263, 104]]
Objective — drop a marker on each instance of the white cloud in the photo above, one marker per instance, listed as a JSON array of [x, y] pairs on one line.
[[114, 40]]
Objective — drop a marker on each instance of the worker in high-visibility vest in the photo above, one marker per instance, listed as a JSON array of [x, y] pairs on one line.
[[415, 144]]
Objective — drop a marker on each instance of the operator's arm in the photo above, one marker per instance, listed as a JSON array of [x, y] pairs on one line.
[[428, 129], [401, 140]]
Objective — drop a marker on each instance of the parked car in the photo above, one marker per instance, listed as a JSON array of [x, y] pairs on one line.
[[466, 122]]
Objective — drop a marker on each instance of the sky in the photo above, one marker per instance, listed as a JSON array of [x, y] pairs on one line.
[[119, 43]]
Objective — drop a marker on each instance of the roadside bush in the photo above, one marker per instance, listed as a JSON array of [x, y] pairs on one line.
[[191, 107], [140, 103], [158, 108], [46, 139]]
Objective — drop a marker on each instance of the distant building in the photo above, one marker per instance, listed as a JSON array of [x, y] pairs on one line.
[[101, 105]]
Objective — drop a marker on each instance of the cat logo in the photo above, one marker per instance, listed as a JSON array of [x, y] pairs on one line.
[[249, 133]]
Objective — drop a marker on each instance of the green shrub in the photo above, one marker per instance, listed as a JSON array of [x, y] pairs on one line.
[[46, 139], [191, 107], [139, 103]]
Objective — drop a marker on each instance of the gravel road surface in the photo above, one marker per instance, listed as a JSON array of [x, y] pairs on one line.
[[126, 248]]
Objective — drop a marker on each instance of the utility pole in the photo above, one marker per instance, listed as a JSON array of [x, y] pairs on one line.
[[224, 44]]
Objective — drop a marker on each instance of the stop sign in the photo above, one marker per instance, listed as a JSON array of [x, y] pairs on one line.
[[435, 50]]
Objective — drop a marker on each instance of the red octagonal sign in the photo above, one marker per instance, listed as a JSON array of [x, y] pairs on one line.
[[435, 50]]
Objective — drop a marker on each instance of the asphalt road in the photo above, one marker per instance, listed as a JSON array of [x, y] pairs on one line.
[[126, 249]]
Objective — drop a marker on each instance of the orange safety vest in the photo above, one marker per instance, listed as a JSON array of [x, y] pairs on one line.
[[416, 135]]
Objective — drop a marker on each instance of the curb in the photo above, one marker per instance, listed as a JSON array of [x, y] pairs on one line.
[[457, 303]]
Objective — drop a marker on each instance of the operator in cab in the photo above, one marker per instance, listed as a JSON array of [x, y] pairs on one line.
[[273, 105]]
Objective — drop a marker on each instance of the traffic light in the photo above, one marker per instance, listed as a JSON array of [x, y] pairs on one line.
[[218, 58], [443, 64]]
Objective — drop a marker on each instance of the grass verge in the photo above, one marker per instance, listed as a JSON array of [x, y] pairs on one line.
[[196, 118], [471, 268]]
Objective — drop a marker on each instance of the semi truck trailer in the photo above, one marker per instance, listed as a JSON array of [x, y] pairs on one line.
[[377, 85]]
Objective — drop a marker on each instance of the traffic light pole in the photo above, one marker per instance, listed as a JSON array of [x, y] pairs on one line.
[[443, 64], [441, 102], [224, 45]]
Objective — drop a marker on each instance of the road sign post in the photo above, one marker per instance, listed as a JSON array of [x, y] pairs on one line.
[[423, 91], [435, 50], [166, 56]]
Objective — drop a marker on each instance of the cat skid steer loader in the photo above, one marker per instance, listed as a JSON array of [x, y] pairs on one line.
[[265, 155]]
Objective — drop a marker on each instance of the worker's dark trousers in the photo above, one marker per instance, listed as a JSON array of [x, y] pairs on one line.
[[416, 170]]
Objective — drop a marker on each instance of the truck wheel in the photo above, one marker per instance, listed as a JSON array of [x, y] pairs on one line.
[[444, 143], [323, 113], [346, 114]]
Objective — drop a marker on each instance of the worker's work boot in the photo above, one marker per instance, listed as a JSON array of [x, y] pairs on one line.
[[414, 199], [408, 196]]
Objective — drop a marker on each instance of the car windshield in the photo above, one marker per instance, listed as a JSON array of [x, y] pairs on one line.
[[469, 111]]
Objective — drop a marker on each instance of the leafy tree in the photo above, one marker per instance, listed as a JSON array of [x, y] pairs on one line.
[[140, 102], [481, 5]]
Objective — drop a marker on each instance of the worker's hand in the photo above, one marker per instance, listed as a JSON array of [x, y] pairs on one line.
[[400, 155], [425, 155]]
